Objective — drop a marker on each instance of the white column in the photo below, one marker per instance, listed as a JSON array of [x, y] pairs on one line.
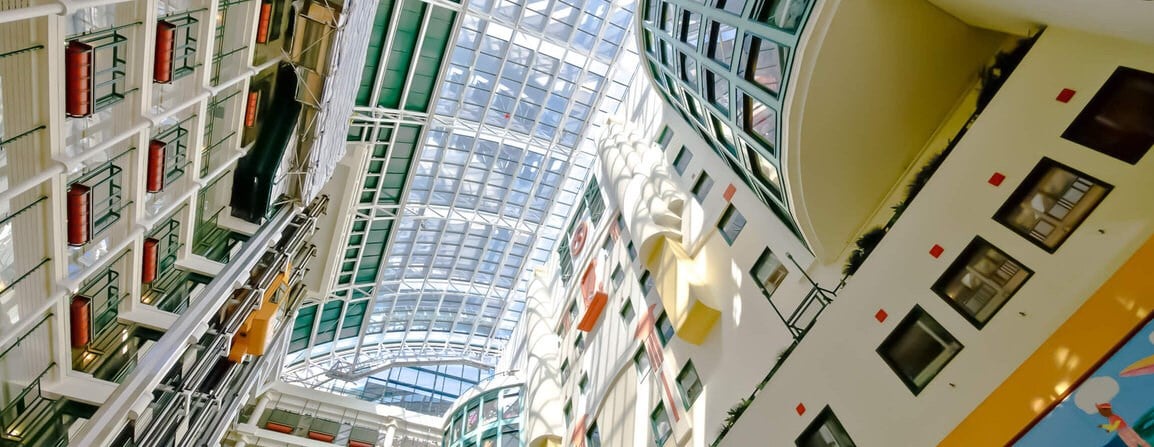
[[261, 404], [390, 432]]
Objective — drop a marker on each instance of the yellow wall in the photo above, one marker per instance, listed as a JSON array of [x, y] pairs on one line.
[[1046, 377]]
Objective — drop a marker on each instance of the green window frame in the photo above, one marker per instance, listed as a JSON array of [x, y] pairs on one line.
[[689, 383], [665, 331], [731, 224]]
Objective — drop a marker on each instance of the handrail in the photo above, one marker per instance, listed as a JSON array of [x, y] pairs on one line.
[[20, 211], [23, 134], [25, 275], [26, 335], [22, 50]]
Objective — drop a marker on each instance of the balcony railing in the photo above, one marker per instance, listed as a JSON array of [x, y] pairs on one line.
[[799, 321], [30, 418]]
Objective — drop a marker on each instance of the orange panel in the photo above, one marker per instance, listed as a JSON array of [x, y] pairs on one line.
[[262, 25], [278, 427], [1119, 306], [324, 437], [154, 180], [250, 108], [353, 443], [79, 314], [79, 214], [593, 311], [165, 46], [78, 79], [149, 258]]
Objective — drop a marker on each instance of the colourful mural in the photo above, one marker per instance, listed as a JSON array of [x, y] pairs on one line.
[[1114, 407]]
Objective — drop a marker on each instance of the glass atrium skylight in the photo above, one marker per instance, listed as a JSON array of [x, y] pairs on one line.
[[507, 154]]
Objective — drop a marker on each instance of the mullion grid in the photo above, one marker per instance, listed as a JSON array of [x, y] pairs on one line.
[[743, 26]]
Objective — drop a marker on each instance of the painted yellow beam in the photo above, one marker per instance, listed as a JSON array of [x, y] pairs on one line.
[[680, 290]]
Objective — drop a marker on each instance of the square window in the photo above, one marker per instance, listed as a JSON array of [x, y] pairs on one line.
[[627, 312], [664, 329], [681, 161], [1119, 120], [632, 250], [641, 362], [918, 349], [608, 245], [722, 40], [660, 423], [583, 385], [731, 224], [825, 431], [769, 272], [689, 384], [564, 371], [702, 186], [1052, 201], [980, 281], [781, 14], [568, 412], [579, 342], [618, 276]]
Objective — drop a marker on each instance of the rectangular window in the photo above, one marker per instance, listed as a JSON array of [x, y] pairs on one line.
[[1052, 201], [702, 186], [592, 436], [565, 371], [724, 135], [758, 120], [618, 276], [980, 281], [731, 224], [689, 384], [763, 64], [660, 423], [781, 14], [690, 28], [765, 172], [688, 70], [668, 17], [918, 349], [652, 10], [681, 161], [631, 250], [663, 139], [722, 38], [627, 311], [568, 412], [646, 280], [769, 272], [825, 431], [641, 362], [583, 385], [717, 90], [664, 329], [579, 342], [1119, 120], [732, 6]]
